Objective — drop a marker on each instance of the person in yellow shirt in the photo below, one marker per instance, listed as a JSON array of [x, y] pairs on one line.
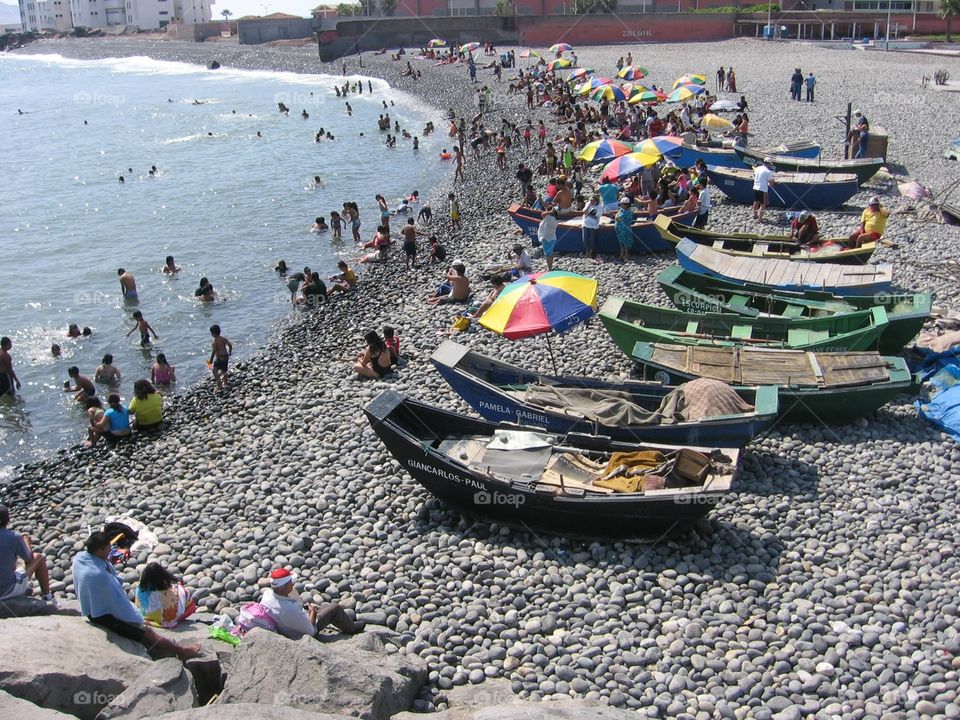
[[873, 221], [146, 406]]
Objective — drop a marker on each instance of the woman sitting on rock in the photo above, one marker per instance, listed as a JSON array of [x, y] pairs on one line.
[[162, 599], [375, 361], [146, 406]]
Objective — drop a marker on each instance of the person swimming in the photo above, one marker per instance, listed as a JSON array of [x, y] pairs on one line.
[[205, 292], [170, 267]]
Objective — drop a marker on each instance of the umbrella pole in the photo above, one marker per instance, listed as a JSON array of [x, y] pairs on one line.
[[553, 359]]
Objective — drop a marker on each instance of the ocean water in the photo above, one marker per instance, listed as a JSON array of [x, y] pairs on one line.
[[225, 203]]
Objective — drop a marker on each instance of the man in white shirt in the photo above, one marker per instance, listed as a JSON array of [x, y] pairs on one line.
[[293, 620], [547, 235], [703, 208], [591, 222], [762, 180]]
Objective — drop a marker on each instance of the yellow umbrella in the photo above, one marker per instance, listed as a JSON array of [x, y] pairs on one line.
[[715, 122]]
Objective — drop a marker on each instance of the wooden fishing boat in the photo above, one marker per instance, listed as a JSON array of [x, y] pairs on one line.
[[831, 250], [501, 392], [790, 275], [523, 476], [631, 322], [792, 190], [687, 155], [693, 293], [863, 168], [646, 239], [825, 388]]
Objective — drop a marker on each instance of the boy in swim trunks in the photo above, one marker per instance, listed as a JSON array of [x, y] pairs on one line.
[[83, 387], [454, 211], [410, 232], [220, 353], [8, 378], [144, 327], [128, 285]]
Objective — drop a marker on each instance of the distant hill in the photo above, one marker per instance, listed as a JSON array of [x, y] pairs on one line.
[[9, 14]]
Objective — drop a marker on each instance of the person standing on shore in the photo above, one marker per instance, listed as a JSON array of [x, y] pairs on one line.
[[9, 382], [762, 180], [810, 82], [128, 284], [721, 76], [458, 158], [220, 352], [624, 228], [547, 235], [703, 204], [454, 211], [13, 545]]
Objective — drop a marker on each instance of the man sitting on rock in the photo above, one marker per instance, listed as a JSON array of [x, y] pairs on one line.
[[104, 603], [15, 583], [293, 620]]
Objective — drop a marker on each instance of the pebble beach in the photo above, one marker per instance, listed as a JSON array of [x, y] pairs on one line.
[[825, 586]]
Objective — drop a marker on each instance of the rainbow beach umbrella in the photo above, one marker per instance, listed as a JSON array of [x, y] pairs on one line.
[[668, 145], [608, 92], [685, 92], [690, 79], [469, 47], [528, 53], [579, 74], [627, 165], [437, 43], [592, 84], [558, 64], [651, 97], [561, 47], [632, 72], [603, 151]]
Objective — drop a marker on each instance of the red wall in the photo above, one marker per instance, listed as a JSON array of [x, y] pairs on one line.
[[603, 29], [409, 8]]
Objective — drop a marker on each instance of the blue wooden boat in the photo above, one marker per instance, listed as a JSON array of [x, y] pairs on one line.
[[793, 190], [646, 237], [789, 275], [501, 392], [687, 155]]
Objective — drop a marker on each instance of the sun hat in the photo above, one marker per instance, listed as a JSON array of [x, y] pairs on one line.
[[624, 201], [280, 577], [875, 200], [803, 215]]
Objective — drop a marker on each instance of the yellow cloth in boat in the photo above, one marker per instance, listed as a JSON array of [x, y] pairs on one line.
[[637, 483], [635, 461]]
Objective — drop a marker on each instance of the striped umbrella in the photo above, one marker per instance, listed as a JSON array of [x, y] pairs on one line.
[[685, 92], [603, 151], [627, 165], [528, 53], [437, 43], [668, 145], [592, 84], [651, 97], [608, 92], [579, 74], [690, 79], [469, 47], [560, 48], [558, 64], [632, 72]]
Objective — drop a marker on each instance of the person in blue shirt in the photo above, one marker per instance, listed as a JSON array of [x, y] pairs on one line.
[[114, 425], [610, 195], [14, 546], [104, 602]]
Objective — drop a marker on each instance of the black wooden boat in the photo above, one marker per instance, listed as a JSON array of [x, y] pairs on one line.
[[625, 410], [525, 477]]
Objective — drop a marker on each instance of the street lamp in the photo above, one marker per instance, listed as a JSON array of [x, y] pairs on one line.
[[886, 45]]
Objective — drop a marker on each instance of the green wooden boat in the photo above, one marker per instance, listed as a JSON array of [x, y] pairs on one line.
[[825, 388], [777, 247], [631, 322], [695, 293]]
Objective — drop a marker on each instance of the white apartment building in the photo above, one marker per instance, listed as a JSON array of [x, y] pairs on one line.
[[145, 14]]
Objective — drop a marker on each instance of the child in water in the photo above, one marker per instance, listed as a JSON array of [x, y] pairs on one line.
[[335, 224], [162, 372], [144, 327]]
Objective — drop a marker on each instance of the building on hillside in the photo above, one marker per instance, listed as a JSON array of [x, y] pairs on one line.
[[324, 12], [63, 15]]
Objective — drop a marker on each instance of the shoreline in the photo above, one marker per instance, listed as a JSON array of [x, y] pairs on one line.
[[821, 562]]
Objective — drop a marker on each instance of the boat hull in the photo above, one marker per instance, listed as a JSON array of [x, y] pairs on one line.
[[794, 192], [794, 276], [615, 515], [694, 293], [461, 367], [687, 155], [863, 169], [827, 406], [766, 247], [646, 239], [628, 323]]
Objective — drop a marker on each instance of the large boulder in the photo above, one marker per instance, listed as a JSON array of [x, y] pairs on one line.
[[206, 669], [17, 709], [550, 710], [164, 688], [31, 606], [352, 676], [67, 664], [247, 711]]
